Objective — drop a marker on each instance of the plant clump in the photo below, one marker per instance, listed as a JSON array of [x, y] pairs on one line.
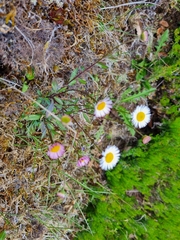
[[84, 101]]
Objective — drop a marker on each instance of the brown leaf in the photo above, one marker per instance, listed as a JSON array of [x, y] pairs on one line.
[[57, 15], [160, 30], [164, 23], [5, 29]]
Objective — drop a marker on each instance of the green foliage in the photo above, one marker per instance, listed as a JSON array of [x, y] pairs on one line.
[[52, 103], [30, 75], [166, 69], [162, 40], [126, 116], [126, 97], [2, 235], [145, 186]]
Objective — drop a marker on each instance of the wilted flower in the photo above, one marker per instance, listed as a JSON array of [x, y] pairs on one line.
[[56, 150], [146, 139], [141, 116], [110, 157], [61, 195], [66, 120], [144, 36], [83, 161], [103, 107]]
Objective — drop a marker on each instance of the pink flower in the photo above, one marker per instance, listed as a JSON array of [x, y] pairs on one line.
[[83, 161], [146, 139], [56, 150]]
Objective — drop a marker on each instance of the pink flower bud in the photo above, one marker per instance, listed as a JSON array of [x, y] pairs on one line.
[[146, 139]]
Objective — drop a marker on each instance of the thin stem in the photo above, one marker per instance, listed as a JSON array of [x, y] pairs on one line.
[[84, 93], [29, 42], [127, 4], [86, 69]]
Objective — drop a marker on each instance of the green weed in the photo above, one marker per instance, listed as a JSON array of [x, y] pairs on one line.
[[2, 235]]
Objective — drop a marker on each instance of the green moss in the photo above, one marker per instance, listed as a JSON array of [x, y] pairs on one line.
[[145, 193]]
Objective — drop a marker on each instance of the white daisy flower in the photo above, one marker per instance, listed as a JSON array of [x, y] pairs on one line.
[[110, 157], [141, 116], [103, 107]]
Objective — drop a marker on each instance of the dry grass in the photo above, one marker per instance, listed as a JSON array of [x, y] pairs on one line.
[[30, 181]]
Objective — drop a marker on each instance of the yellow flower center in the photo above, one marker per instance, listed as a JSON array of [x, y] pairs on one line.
[[140, 116], [101, 106], [55, 148], [109, 157]]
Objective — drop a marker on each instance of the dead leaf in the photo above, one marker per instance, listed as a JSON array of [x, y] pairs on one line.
[[57, 15], [138, 27], [162, 54], [5, 29], [11, 16], [164, 23], [160, 30]]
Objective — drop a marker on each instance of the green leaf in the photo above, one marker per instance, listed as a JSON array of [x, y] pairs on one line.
[[73, 74], [136, 97], [25, 87], [162, 40], [57, 99], [33, 117], [55, 86], [101, 65], [86, 117], [62, 89], [94, 77], [2, 235], [126, 116], [72, 83], [82, 81], [30, 73]]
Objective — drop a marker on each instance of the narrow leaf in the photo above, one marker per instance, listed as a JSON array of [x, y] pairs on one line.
[[58, 100], [162, 40], [55, 86], [136, 97], [86, 117], [50, 108], [2, 235], [74, 73], [72, 83], [82, 81], [43, 130], [33, 117], [102, 65]]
